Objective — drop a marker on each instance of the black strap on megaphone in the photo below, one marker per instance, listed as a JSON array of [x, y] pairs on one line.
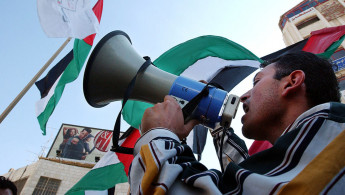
[[128, 92], [191, 106]]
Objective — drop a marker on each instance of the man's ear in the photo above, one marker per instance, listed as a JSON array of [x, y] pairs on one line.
[[293, 82]]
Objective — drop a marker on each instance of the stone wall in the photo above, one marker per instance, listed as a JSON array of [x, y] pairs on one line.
[[68, 172]]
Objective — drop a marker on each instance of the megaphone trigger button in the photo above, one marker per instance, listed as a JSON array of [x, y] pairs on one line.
[[233, 100]]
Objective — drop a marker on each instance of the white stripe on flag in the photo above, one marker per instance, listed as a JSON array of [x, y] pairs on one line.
[[94, 192], [207, 68], [190, 139], [109, 158], [42, 103]]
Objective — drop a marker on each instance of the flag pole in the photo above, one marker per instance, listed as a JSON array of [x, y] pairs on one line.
[[33, 80]]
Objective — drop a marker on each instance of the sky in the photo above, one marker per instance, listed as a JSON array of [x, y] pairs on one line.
[[154, 27]]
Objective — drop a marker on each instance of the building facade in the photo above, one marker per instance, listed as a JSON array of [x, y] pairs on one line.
[[48, 176], [74, 152], [53, 176], [310, 15]]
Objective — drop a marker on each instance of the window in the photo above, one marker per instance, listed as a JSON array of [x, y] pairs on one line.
[[47, 186], [300, 8], [307, 22]]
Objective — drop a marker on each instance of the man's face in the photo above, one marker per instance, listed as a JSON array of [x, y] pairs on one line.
[[261, 104], [83, 134], [75, 141]]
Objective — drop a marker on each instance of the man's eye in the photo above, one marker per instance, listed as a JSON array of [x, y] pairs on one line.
[[255, 82]]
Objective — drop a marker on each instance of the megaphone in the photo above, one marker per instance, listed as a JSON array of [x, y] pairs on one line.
[[113, 64]]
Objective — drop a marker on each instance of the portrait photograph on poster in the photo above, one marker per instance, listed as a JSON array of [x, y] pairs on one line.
[[80, 143]]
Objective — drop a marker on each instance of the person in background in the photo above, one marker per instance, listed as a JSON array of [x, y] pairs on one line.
[[67, 133], [75, 148], [87, 141], [7, 187]]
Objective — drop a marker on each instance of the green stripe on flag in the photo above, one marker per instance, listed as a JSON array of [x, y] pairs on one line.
[[133, 111], [100, 179], [80, 52], [331, 49], [180, 57]]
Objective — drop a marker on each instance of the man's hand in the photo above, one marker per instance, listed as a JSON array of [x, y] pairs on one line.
[[167, 114]]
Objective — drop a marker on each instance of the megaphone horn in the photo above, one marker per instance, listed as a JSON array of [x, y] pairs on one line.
[[113, 64]]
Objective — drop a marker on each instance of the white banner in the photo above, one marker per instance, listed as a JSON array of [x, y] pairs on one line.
[[67, 18]]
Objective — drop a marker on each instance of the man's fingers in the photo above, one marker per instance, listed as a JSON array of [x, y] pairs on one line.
[[169, 98], [190, 125], [171, 101]]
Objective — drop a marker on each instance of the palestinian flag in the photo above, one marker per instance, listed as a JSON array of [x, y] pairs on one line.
[[112, 169], [65, 71], [322, 42], [211, 58]]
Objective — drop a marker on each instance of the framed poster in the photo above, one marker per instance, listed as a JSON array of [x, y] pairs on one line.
[[80, 143]]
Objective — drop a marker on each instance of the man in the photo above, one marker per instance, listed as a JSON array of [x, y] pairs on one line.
[[74, 148], [289, 105], [86, 141], [7, 187]]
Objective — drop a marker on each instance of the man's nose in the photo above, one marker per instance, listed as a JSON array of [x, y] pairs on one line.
[[245, 96]]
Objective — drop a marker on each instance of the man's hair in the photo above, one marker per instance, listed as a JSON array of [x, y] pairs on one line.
[[88, 130], [7, 184], [320, 80]]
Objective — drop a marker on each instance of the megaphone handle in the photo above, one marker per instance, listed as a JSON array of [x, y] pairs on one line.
[[189, 108], [128, 92]]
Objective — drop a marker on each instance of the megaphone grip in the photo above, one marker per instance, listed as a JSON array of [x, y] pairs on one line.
[[192, 105]]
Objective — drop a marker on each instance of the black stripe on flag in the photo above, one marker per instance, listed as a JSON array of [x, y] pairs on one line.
[[229, 77], [291, 49], [111, 190], [48, 81]]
